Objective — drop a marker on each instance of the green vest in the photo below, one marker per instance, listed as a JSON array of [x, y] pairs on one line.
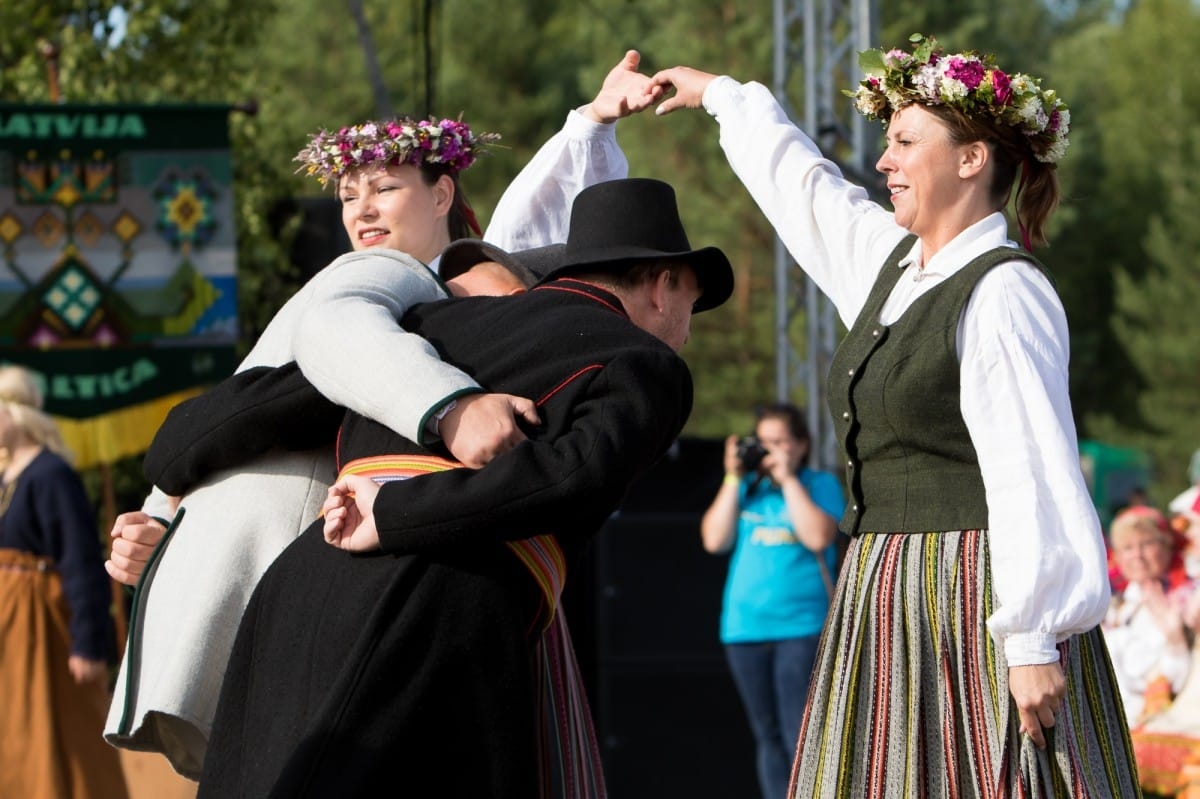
[[894, 394]]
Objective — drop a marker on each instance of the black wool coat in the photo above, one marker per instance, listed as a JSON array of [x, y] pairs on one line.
[[414, 664]]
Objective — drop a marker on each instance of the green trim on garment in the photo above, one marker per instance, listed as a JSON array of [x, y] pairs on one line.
[[133, 641], [425, 436]]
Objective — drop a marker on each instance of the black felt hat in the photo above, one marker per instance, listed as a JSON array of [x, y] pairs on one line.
[[528, 266], [619, 223]]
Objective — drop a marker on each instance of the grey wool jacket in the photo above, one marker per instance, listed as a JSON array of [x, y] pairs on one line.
[[237, 521]]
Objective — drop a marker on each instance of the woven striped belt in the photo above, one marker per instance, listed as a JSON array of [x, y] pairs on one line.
[[568, 751], [541, 555]]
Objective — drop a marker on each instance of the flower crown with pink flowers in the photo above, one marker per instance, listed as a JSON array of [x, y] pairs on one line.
[[969, 82], [448, 142]]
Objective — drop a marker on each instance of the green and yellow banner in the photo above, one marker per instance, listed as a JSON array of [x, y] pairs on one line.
[[118, 281]]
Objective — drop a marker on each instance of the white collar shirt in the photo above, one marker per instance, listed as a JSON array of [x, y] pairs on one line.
[[1047, 554]]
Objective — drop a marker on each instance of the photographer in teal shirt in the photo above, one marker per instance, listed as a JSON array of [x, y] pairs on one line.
[[779, 517]]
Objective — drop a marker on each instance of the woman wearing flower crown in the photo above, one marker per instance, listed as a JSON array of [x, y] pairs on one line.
[[402, 205], [962, 656]]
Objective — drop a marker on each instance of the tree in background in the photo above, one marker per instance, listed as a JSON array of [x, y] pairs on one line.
[[1121, 237], [732, 350], [162, 51], [1158, 321], [1127, 237]]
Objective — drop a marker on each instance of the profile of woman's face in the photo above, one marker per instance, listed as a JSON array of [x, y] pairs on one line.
[[395, 208], [921, 167]]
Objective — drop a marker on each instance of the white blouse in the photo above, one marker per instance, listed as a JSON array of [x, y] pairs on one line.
[[1049, 565], [535, 209]]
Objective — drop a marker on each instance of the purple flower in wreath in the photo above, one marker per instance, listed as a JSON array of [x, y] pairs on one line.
[[328, 156], [1001, 87], [969, 71]]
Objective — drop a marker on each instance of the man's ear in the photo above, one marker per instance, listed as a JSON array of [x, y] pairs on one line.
[[660, 288]]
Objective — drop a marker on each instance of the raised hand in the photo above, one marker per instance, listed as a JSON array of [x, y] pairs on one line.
[[625, 91], [689, 85]]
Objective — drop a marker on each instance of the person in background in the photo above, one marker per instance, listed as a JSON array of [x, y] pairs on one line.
[[1185, 524], [1184, 509], [1190, 496], [779, 517], [1145, 631], [398, 181], [1151, 630], [976, 552], [56, 627]]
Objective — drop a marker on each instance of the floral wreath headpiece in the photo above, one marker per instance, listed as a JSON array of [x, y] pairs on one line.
[[969, 82], [330, 155]]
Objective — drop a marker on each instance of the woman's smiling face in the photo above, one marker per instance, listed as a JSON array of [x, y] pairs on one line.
[[922, 169], [396, 208]]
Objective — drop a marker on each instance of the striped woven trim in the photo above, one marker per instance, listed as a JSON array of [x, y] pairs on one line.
[[878, 726], [567, 748], [546, 562], [388, 468], [541, 555]]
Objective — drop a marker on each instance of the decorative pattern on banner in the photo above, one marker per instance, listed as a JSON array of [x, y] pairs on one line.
[[117, 262]]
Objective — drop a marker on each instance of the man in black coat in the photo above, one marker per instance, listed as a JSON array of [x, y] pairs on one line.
[[406, 653]]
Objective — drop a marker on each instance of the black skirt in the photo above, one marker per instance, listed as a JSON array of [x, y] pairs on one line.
[[352, 672]]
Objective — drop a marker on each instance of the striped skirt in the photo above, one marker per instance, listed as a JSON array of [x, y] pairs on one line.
[[569, 754], [910, 695]]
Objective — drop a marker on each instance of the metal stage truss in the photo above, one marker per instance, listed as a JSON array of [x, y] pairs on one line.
[[816, 56]]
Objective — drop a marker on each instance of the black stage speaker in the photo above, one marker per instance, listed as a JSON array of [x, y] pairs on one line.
[[644, 613]]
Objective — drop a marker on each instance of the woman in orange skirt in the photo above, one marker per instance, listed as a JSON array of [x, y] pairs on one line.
[[56, 630]]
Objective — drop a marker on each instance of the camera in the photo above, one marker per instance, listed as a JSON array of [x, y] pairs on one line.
[[750, 453]]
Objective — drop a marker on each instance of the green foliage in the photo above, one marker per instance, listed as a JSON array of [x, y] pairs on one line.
[[1125, 250], [1157, 322], [1123, 253], [172, 51], [732, 349]]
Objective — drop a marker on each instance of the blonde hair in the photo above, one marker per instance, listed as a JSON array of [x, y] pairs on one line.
[[21, 396], [1140, 519]]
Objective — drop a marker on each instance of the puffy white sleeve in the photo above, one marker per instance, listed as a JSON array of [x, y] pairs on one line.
[[349, 345], [837, 234], [535, 209], [1049, 565]]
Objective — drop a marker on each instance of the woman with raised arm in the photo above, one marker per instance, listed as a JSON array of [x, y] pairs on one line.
[[962, 655]]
